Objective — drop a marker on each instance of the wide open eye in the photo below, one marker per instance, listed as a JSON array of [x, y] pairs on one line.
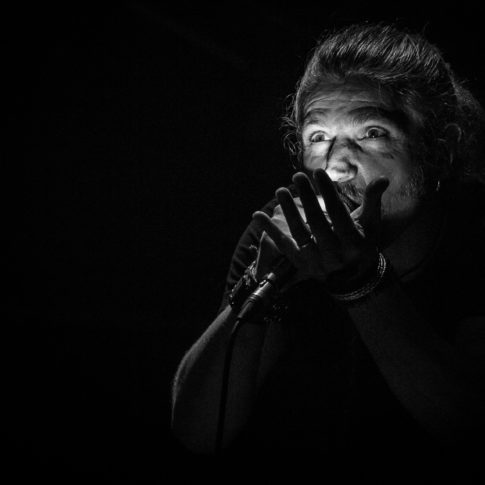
[[375, 132], [318, 136]]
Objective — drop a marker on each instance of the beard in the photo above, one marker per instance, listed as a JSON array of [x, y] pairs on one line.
[[353, 196]]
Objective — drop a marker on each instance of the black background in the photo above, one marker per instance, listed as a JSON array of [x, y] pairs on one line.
[[140, 139]]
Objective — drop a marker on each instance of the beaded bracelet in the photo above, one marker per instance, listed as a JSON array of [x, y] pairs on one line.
[[368, 287]]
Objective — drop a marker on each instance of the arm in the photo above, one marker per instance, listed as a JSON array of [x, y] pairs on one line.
[[197, 383]]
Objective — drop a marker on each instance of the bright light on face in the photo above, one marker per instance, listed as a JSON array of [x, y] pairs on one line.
[[356, 135]]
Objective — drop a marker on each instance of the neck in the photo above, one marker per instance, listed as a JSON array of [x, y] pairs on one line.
[[416, 240]]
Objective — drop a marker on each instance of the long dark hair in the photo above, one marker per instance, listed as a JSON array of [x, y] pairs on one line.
[[413, 72]]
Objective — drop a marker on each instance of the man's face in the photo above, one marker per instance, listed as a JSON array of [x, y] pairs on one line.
[[356, 135]]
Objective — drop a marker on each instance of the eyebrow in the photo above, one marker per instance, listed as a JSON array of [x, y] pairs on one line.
[[362, 115]]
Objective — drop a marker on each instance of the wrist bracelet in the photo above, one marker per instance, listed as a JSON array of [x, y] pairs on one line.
[[368, 287], [244, 287]]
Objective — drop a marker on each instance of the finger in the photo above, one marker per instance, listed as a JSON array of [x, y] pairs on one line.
[[267, 255], [298, 228], [370, 217], [285, 244], [315, 217], [343, 224]]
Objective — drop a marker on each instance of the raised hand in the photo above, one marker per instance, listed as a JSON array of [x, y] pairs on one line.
[[335, 247]]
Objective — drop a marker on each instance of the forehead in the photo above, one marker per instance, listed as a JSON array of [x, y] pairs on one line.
[[356, 104], [341, 98]]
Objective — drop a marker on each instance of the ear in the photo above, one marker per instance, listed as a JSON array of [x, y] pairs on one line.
[[452, 137], [448, 147]]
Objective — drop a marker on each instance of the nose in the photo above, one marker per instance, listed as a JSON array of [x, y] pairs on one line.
[[341, 163]]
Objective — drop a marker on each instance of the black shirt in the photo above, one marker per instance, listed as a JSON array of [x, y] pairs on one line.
[[326, 399]]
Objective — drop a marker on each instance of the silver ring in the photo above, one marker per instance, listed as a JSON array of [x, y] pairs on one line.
[[307, 243]]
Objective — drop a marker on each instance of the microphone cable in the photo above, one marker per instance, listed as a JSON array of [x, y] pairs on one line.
[[253, 305]]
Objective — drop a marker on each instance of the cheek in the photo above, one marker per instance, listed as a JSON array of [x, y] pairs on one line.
[[314, 158], [385, 153], [391, 161]]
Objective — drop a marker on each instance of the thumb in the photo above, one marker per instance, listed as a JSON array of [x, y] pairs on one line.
[[370, 217], [267, 254]]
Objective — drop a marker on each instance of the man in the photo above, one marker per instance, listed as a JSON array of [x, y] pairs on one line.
[[375, 346]]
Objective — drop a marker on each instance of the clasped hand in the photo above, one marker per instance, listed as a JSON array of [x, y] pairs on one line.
[[338, 248]]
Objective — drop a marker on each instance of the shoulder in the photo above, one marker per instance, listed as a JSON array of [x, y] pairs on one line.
[[470, 342], [466, 203], [463, 258], [466, 230]]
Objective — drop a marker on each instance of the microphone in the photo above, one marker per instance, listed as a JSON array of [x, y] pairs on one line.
[[271, 283]]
